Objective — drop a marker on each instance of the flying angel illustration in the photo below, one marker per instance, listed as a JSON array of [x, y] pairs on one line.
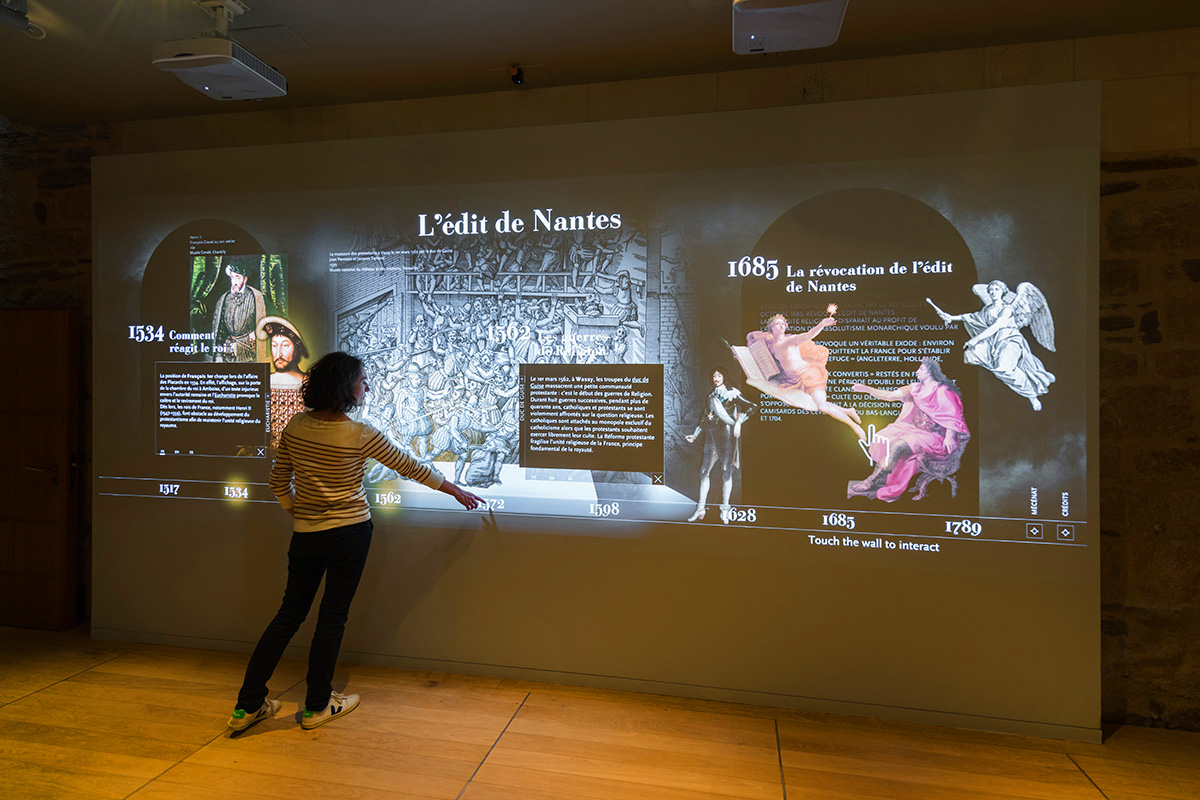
[[997, 343]]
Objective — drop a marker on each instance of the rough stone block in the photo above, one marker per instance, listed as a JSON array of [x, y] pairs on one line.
[[1172, 463], [1116, 322], [795, 85], [926, 73], [22, 161], [1169, 226], [64, 178], [1027, 64], [1148, 330], [1141, 411], [1180, 320], [1147, 163], [79, 155], [1196, 111], [1146, 669], [1118, 187], [1144, 114], [1173, 183], [1116, 364], [1135, 55], [1118, 276], [512, 109], [652, 97]]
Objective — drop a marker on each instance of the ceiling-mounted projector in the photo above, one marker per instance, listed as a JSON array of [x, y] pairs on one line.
[[215, 64], [221, 68], [775, 26]]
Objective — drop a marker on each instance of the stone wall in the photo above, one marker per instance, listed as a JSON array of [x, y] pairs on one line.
[[1150, 271], [1150, 437]]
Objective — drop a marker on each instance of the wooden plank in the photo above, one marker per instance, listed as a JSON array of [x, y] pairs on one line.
[[491, 791], [131, 705], [224, 671], [634, 755], [590, 787], [398, 711], [462, 744], [1023, 773], [636, 774], [700, 725], [937, 770], [24, 778], [173, 791], [817, 739], [155, 685], [1166, 782], [36, 732], [640, 738], [108, 719], [39, 792], [895, 784], [321, 746], [86, 761], [441, 697], [376, 777], [220, 782]]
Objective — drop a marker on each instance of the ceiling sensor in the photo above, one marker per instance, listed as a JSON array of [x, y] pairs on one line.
[[776, 26], [217, 66]]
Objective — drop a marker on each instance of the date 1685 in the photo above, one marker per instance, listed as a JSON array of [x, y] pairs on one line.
[[755, 267]]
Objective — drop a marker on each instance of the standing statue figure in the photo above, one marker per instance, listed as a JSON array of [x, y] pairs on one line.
[[996, 341], [721, 422]]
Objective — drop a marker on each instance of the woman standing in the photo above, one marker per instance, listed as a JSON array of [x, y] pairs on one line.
[[318, 478]]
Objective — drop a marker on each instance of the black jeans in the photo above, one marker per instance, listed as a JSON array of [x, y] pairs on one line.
[[338, 554]]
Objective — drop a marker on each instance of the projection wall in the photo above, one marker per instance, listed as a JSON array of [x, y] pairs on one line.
[[793, 406]]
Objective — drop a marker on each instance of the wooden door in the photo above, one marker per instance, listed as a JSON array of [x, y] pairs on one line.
[[39, 485]]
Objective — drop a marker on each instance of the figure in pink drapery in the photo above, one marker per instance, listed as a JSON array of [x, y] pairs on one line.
[[803, 373], [930, 425]]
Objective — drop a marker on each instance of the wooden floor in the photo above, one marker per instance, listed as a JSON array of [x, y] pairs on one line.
[[92, 719]]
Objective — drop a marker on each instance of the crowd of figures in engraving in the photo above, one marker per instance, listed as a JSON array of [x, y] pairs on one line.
[[443, 343]]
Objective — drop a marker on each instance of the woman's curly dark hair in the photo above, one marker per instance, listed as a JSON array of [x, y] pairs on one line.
[[329, 384]]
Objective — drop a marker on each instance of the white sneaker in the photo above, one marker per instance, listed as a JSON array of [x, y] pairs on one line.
[[242, 719], [339, 706]]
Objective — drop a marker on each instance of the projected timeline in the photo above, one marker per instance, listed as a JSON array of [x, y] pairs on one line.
[[821, 527], [840, 367]]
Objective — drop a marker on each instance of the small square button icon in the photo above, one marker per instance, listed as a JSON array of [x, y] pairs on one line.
[[1033, 530], [1066, 533]]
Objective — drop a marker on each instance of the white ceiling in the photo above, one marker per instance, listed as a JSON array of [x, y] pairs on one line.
[[94, 64]]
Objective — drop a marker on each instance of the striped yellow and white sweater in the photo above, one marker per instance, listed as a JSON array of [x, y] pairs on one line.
[[318, 470]]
